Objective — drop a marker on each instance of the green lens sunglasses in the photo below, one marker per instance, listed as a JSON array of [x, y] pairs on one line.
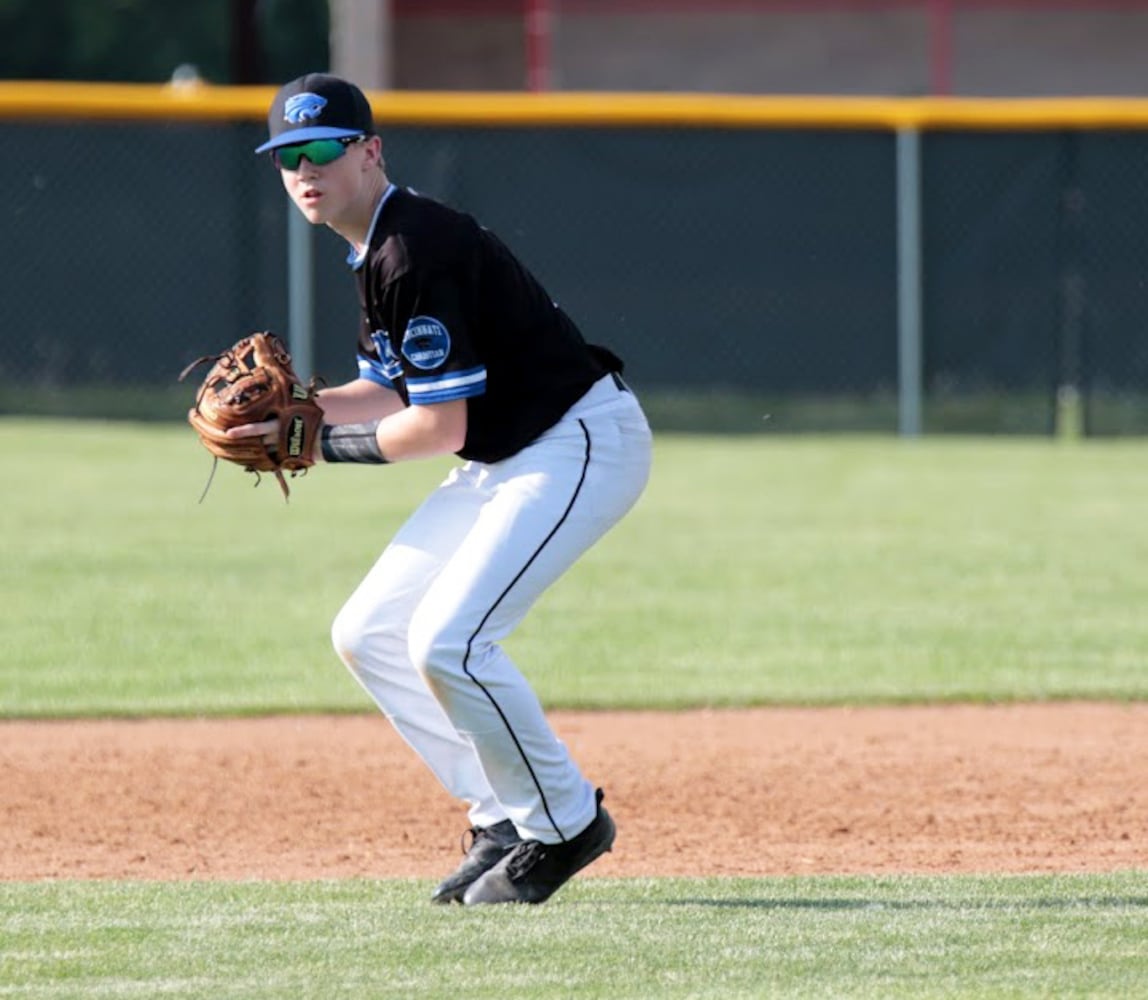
[[319, 152]]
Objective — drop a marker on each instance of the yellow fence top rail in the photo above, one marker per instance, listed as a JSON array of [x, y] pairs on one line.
[[39, 101]]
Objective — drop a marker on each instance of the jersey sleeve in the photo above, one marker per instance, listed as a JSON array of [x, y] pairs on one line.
[[434, 343]]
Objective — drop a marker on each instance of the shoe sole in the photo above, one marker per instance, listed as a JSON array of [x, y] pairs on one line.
[[454, 895]]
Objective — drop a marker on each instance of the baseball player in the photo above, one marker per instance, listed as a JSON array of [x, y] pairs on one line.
[[462, 351]]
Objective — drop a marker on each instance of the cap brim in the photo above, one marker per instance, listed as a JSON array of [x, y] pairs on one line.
[[306, 135]]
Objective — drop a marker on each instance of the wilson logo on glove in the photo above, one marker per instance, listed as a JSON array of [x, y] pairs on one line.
[[296, 437]]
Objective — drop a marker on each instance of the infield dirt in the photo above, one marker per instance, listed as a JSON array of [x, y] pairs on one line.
[[1018, 788]]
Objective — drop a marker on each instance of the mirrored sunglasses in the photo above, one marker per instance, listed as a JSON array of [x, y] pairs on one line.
[[319, 152]]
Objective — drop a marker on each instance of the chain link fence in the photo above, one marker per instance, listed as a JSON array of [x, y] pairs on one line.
[[747, 275]]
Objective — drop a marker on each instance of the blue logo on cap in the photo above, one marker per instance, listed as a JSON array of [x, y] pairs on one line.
[[303, 107], [426, 343]]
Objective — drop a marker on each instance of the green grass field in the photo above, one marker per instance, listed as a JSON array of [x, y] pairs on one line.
[[1064, 936], [756, 570]]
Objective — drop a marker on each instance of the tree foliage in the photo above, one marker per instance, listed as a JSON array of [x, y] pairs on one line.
[[146, 40]]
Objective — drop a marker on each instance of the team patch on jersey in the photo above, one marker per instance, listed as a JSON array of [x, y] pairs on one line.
[[426, 344], [303, 107]]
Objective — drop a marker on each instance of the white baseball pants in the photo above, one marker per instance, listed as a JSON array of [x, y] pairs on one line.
[[422, 631]]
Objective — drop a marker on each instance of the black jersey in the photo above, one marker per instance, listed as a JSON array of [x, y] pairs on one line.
[[450, 313]]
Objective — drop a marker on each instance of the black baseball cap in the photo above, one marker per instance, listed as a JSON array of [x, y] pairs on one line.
[[317, 106]]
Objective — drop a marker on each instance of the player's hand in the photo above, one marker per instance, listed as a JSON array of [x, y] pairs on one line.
[[266, 429]]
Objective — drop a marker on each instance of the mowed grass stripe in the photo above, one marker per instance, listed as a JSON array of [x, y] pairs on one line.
[[755, 570]]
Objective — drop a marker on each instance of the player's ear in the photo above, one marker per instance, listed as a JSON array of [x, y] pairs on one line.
[[374, 150]]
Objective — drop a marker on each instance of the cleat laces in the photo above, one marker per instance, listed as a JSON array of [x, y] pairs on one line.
[[470, 837]]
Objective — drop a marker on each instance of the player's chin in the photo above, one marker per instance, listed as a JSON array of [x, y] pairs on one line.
[[313, 209]]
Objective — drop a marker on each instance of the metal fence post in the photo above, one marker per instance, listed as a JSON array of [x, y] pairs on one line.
[[909, 270], [300, 292]]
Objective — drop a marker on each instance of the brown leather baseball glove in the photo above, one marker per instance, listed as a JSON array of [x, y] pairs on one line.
[[251, 382]]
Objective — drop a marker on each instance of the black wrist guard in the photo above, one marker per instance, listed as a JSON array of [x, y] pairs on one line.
[[352, 443]]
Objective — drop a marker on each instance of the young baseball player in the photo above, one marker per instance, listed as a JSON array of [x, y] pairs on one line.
[[462, 351]]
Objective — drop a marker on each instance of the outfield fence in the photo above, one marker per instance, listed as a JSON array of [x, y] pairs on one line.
[[778, 264]]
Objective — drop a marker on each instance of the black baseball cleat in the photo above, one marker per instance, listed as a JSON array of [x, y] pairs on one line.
[[488, 846], [533, 871]]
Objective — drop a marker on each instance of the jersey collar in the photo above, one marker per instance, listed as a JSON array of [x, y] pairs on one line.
[[354, 257]]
